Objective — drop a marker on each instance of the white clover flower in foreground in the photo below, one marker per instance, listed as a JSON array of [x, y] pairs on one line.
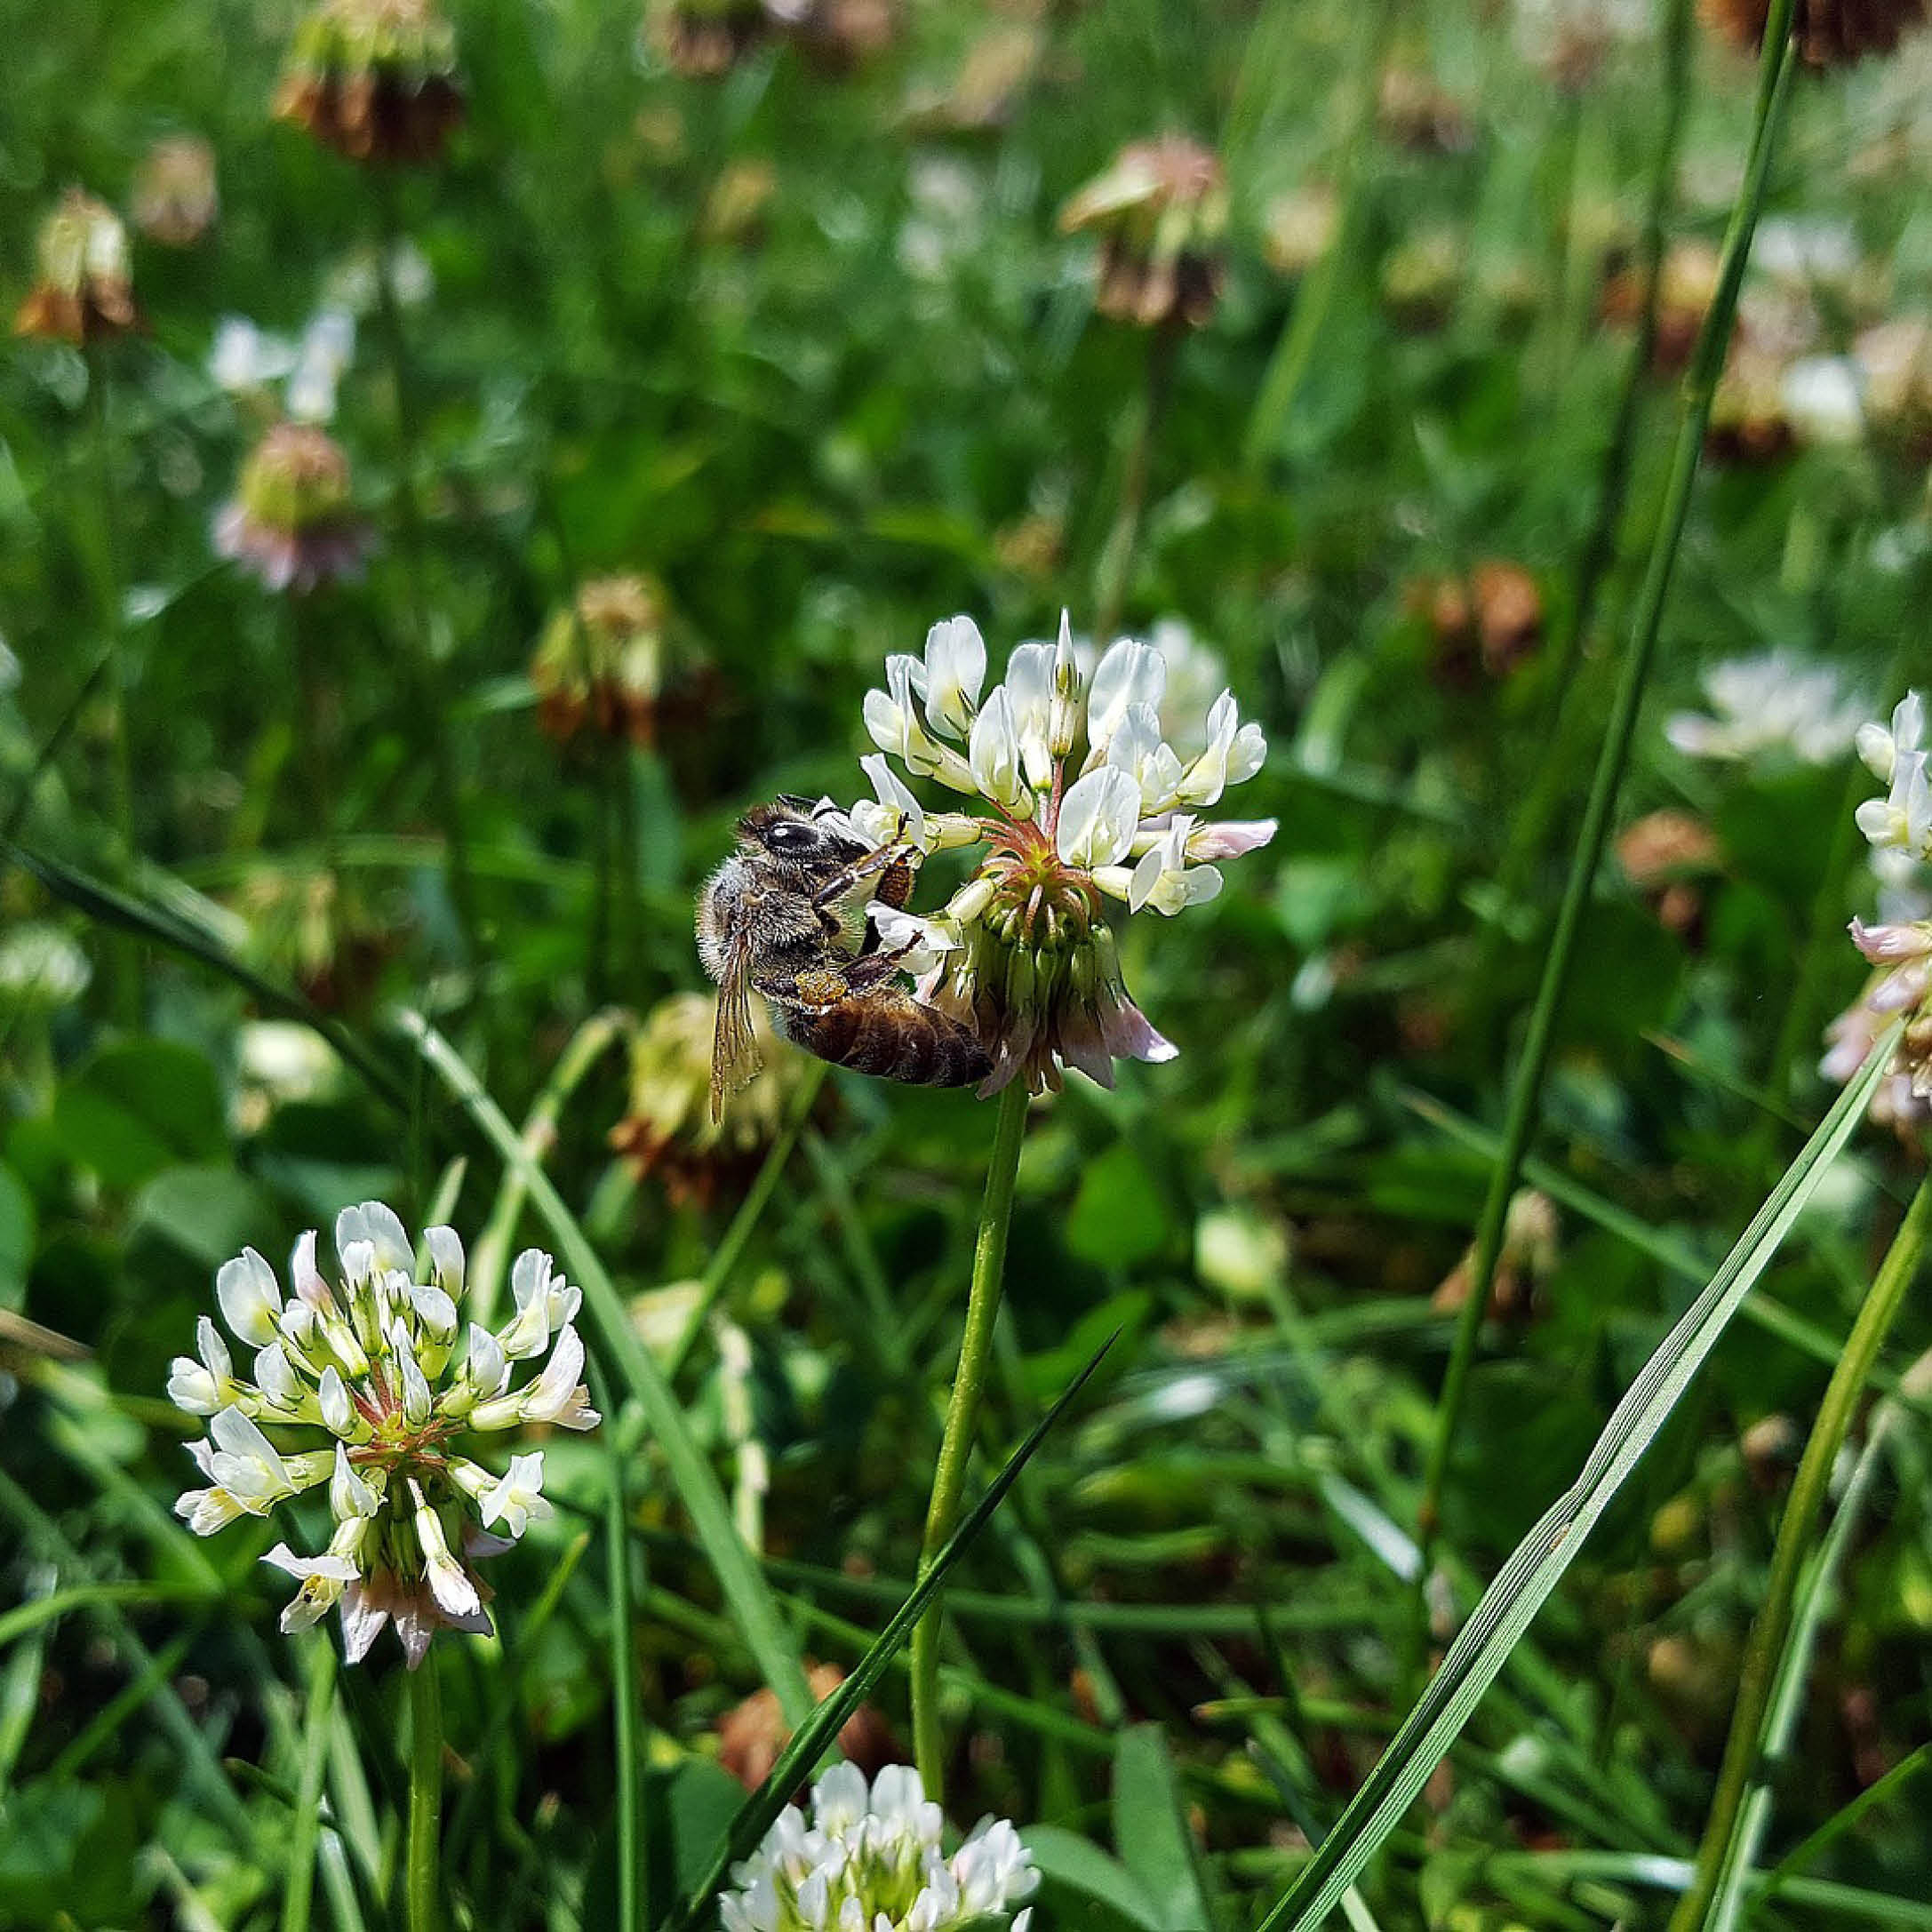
[[1899, 946], [1081, 798], [870, 1861], [366, 1387], [1767, 704]]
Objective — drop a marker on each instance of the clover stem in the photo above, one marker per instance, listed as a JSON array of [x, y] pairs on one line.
[[425, 1795], [961, 1414]]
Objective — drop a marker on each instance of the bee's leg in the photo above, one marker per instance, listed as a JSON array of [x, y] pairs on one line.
[[808, 989], [895, 887], [874, 968], [885, 859]]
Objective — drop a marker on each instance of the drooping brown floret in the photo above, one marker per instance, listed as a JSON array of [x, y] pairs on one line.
[[291, 521], [375, 80], [702, 39], [1830, 33], [175, 196], [1159, 211], [82, 292]]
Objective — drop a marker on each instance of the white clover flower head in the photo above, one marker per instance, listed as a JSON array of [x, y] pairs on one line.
[[869, 1859], [1902, 820], [1898, 944], [365, 1387], [1771, 705], [1083, 793]]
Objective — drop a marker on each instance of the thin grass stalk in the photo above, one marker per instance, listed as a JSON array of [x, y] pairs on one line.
[[50, 749], [1294, 354], [962, 1415], [200, 1766], [1759, 1674], [1526, 1085], [425, 1797], [432, 722], [305, 1828], [1794, 1667], [630, 1872], [161, 926], [1520, 1589], [1882, 1791], [1532, 824]]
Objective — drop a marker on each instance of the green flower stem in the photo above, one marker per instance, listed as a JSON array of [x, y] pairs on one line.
[[962, 1412], [1755, 1680], [425, 1797], [126, 974], [1526, 1085], [306, 1825], [432, 723], [1116, 566]]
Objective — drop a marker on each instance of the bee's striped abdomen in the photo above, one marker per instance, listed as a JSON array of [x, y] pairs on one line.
[[891, 1036]]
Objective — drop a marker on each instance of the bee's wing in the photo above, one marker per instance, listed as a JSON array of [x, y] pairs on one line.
[[734, 1052]]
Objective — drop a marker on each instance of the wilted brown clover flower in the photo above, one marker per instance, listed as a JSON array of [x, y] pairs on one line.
[[669, 1130], [82, 292], [374, 79], [290, 520], [838, 36], [1830, 33], [1160, 211], [702, 39], [175, 196], [600, 661]]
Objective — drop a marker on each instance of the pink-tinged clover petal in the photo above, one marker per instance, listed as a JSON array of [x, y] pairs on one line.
[[1230, 838], [1883, 943]]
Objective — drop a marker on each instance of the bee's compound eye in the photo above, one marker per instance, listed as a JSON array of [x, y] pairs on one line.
[[784, 837]]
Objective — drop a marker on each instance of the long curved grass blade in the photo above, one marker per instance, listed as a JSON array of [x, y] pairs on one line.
[[107, 907], [812, 1737], [771, 1645], [1524, 1583]]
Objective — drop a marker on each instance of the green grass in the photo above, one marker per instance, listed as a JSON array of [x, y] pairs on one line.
[[1264, 1629]]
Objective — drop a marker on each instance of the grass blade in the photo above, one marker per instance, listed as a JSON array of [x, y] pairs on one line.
[[815, 1736], [1524, 1583], [771, 1645], [107, 907]]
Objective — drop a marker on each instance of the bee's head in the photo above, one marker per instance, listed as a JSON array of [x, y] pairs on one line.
[[812, 837]]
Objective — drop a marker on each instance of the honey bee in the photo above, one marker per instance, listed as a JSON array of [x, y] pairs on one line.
[[780, 918]]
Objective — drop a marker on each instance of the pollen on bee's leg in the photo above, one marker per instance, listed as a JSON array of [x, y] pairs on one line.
[[819, 985]]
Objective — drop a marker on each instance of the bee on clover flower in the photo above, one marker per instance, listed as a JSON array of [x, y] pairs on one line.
[[369, 1386], [1081, 798]]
